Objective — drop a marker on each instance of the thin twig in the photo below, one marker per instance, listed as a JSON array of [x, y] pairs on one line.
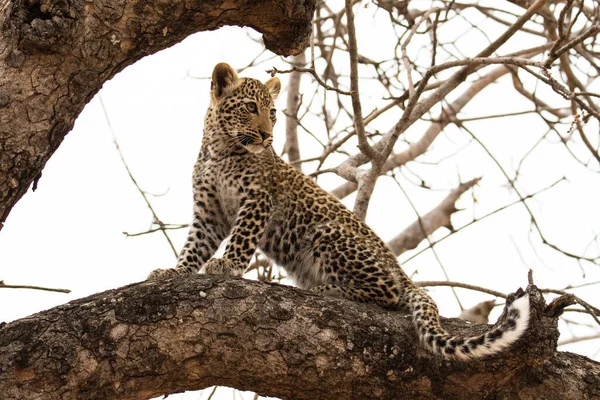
[[579, 339], [116, 143], [426, 235], [461, 285], [456, 230], [212, 393], [5, 286], [522, 199], [273, 71], [163, 227]]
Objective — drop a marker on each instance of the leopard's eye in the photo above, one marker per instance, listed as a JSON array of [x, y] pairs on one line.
[[273, 113], [251, 106]]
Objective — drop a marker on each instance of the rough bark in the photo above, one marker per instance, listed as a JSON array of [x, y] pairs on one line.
[[55, 55], [153, 338]]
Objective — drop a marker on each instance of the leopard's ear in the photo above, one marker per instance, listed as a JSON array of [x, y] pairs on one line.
[[224, 79], [274, 86]]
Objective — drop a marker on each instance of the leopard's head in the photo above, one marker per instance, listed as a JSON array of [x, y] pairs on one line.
[[244, 107]]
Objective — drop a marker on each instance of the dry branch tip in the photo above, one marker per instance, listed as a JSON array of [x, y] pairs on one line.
[[558, 305]]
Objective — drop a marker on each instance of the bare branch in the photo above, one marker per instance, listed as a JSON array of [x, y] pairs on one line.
[[461, 285], [156, 220], [359, 124], [292, 148], [514, 203], [415, 109], [439, 217], [447, 116], [594, 260], [273, 71], [578, 339], [5, 286]]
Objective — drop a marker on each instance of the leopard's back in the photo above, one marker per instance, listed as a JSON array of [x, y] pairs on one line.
[[316, 238]]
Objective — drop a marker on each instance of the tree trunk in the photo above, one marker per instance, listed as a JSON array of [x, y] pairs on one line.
[[154, 338], [55, 55]]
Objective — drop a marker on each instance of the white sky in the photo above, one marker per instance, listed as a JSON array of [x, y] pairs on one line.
[[69, 233]]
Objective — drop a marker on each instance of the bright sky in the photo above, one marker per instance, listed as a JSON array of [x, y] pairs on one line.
[[69, 233]]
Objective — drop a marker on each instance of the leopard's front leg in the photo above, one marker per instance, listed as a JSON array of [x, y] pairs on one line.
[[206, 233], [250, 224]]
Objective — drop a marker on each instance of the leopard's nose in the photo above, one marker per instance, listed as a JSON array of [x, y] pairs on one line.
[[264, 135]]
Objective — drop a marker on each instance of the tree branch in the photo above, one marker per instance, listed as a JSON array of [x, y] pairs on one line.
[[47, 289], [447, 116], [437, 218], [415, 109], [153, 338], [55, 57], [292, 147]]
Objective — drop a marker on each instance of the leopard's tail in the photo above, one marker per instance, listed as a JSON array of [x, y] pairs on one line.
[[427, 322]]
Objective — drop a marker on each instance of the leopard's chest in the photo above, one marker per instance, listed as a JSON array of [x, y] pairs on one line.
[[232, 181], [219, 188], [230, 200]]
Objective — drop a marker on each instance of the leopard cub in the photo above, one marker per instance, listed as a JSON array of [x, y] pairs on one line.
[[244, 190]]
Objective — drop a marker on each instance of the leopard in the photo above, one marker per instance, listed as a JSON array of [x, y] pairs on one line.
[[243, 190]]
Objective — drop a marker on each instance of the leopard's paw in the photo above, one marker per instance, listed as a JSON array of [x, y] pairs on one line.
[[158, 274], [221, 266]]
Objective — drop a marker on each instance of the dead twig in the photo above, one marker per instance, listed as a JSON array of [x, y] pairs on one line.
[[46, 289]]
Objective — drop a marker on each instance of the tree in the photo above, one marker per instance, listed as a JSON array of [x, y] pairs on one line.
[[289, 343], [57, 55]]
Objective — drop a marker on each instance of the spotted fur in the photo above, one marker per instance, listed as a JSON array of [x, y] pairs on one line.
[[242, 189]]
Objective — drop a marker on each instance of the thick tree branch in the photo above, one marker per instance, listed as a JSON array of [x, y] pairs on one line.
[[153, 338], [54, 56]]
